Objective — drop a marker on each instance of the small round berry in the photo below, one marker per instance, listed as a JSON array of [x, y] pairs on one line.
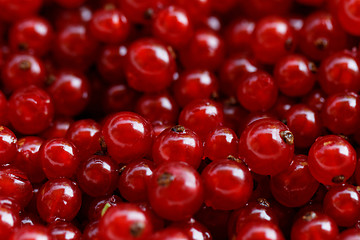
[[58, 199], [8, 145], [315, 99], [128, 136], [175, 191], [238, 35], [59, 158], [220, 143], [64, 231], [91, 231], [332, 160], [31, 110], [260, 229], [17, 9], [58, 128], [349, 234], [9, 221], [109, 26], [119, 97], [97, 176], [178, 144], [267, 146], [194, 229], [3, 109], [170, 233], [349, 16], [36, 231], [257, 91], [150, 65], [125, 221]]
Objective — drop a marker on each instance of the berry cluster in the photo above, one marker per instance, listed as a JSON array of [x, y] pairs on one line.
[[179, 119]]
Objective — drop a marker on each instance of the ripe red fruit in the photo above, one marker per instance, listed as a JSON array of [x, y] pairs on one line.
[[8, 145]]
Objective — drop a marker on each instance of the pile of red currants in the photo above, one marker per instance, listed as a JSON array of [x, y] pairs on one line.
[[179, 119]]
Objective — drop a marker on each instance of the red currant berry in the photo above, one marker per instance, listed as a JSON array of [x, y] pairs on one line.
[[133, 179], [313, 225], [17, 9], [264, 230], [175, 191], [118, 98], [304, 123], [332, 160], [36, 231], [294, 75], [315, 99], [58, 128], [128, 136], [197, 9], [220, 143], [150, 65], [31, 110], [59, 158], [341, 113], [238, 35], [32, 35], [282, 106], [97, 176], [58, 199], [178, 144], [9, 221], [109, 26], [70, 92], [267, 146], [202, 116], [170, 233], [28, 158], [349, 234], [64, 231], [349, 16], [272, 39], [340, 72], [228, 184], [3, 109], [22, 70], [295, 186], [194, 229], [91, 231], [125, 221], [257, 91], [8, 145]]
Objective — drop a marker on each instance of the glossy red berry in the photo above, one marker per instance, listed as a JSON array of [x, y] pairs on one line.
[[58, 199], [22, 70], [28, 158], [14, 10], [341, 113], [64, 231], [267, 146], [321, 35], [175, 191], [202, 116], [178, 144], [340, 72], [194, 229], [125, 221], [295, 186], [314, 225], [85, 135], [109, 26], [304, 123], [59, 158], [133, 180], [128, 136], [31, 110], [173, 26], [97, 176], [228, 184], [91, 231], [9, 220], [348, 16], [349, 234], [119, 97], [36, 231], [170, 233], [70, 91], [98, 206], [238, 34], [282, 106], [58, 128], [220, 143], [294, 75], [272, 39], [264, 230], [257, 92], [8, 145], [150, 65], [197, 9], [332, 160], [31, 35], [205, 51], [315, 99]]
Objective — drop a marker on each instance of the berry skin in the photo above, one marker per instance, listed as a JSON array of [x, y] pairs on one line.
[[314, 225], [202, 116], [31, 110], [128, 136], [125, 221], [109, 26], [36, 231], [170, 233], [341, 113], [59, 158], [58, 199], [175, 191], [8, 145], [150, 65], [272, 39], [348, 16], [14, 10], [340, 72], [315, 99], [332, 160], [97, 176], [99, 205], [342, 203], [220, 143], [349, 234], [264, 230], [58, 128], [228, 184], [133, 180], [3, 109], [64, 231], [31, 35], [257, 92], [295, 186], [91, 231], [9, 220], [178, 144], [267, 146], [238, 34], [294, 75], [194, 229]]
